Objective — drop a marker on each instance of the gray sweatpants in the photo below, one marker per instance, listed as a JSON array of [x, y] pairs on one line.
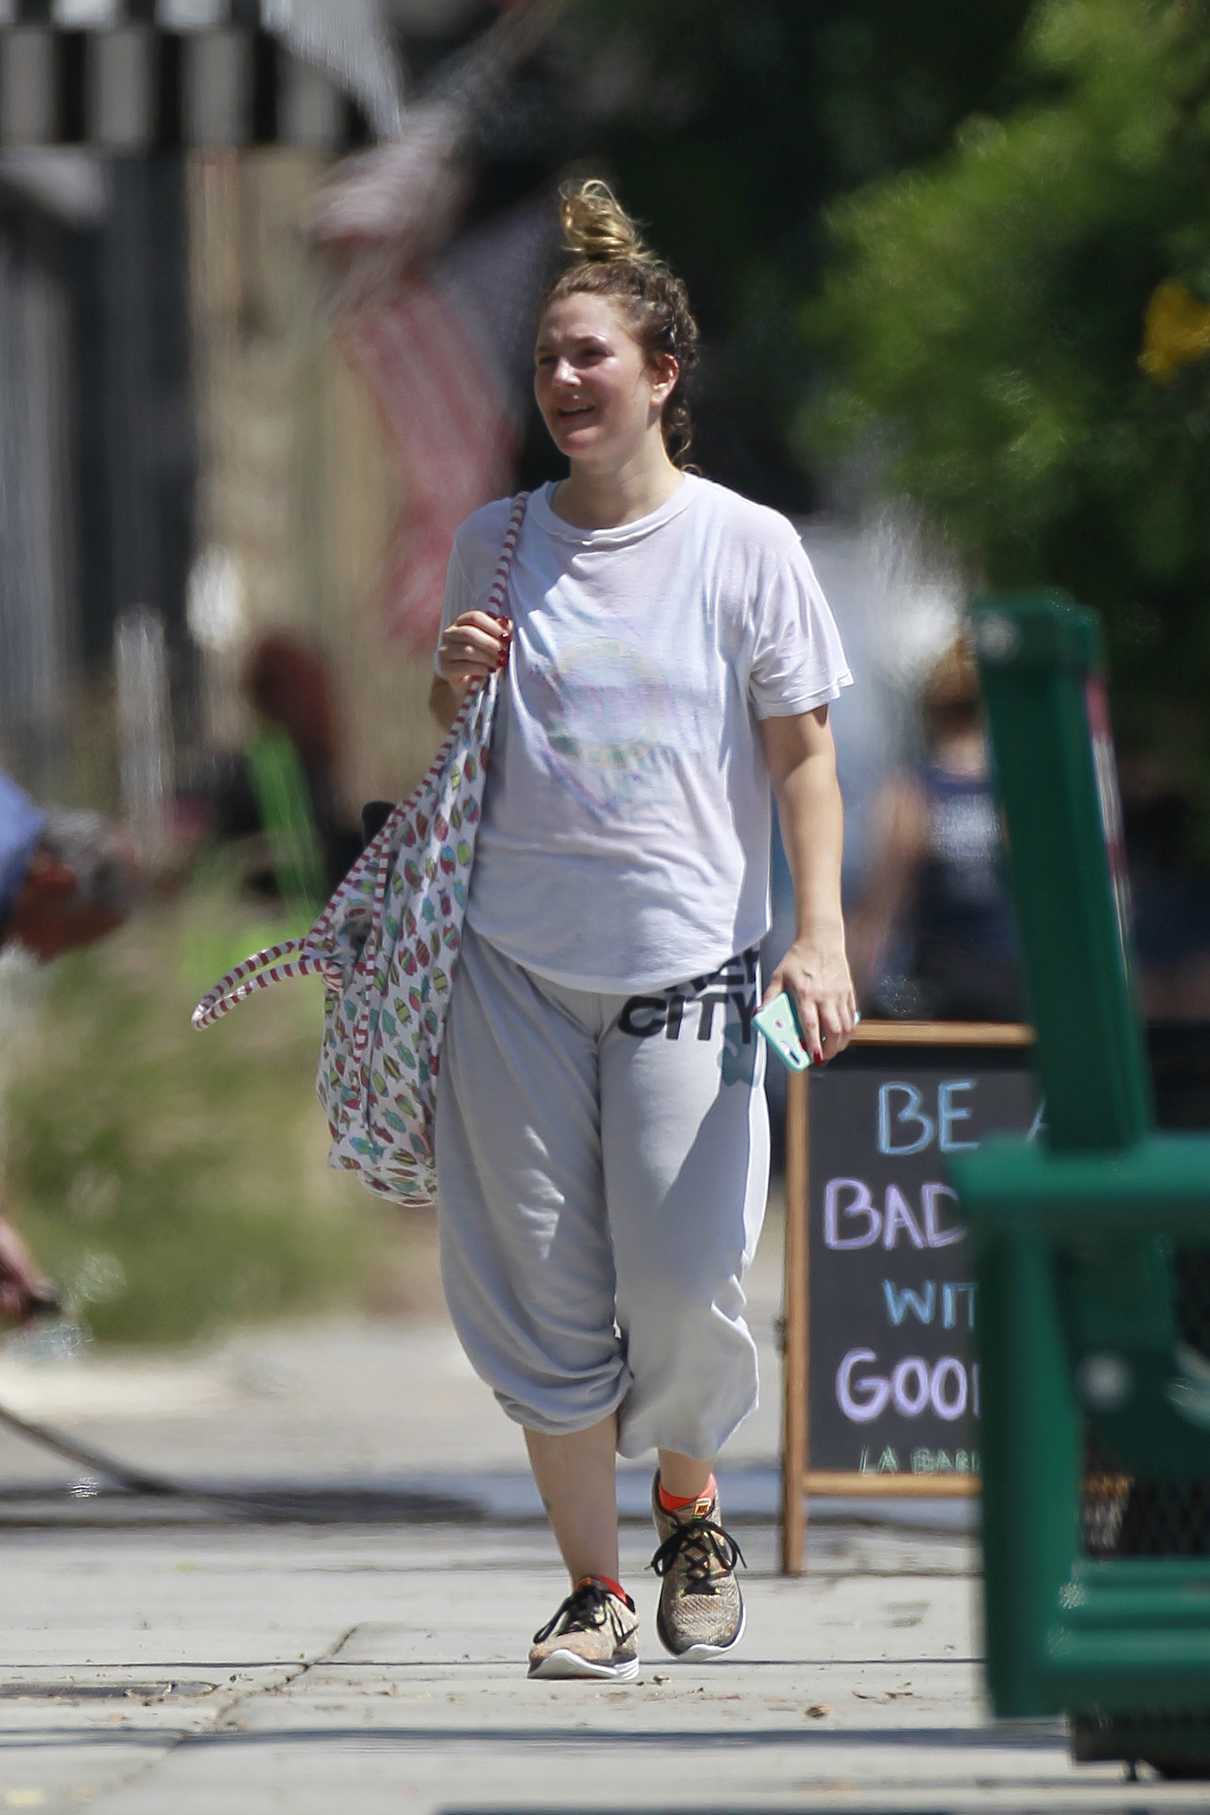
[[603, 1168]]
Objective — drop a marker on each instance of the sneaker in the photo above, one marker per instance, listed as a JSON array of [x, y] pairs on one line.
[[701, 1614], [593, 1633]]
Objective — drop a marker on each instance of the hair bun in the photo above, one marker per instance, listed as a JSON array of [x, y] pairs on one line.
[[596, 227]]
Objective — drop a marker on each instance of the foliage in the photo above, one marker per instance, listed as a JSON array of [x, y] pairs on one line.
[[174, 1182], [728, 128], [1020, 328]]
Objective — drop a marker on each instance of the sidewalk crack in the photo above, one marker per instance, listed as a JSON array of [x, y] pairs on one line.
[[222, 1717]]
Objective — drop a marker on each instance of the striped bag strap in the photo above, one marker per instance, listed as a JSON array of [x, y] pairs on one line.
[[307, 957]]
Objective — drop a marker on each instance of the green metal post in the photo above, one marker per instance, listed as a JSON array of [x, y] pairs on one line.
[[1073, 1234], [1040, 661], [1031, 1457]]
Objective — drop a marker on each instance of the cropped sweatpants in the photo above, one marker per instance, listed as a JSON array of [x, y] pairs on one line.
[[603, 1167]]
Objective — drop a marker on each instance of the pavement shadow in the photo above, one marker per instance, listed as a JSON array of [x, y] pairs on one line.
[[563, 1738]]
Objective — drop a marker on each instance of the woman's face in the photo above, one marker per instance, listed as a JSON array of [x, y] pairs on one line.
[[598, 396]]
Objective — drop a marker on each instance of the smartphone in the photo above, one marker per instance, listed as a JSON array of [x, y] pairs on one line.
[[778, 1021]]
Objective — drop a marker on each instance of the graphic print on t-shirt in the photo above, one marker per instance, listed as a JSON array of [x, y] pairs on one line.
[[625, 838], [612, 724]]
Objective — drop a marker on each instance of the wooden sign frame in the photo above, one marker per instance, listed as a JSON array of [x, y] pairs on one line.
[[798, 1478]]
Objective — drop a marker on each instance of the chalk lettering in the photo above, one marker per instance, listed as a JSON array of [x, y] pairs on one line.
[[887, 1463], [956, 1301], [905, 1126], [877, 1391], [910, 1113], [957, 1304], [932, 1462], [910, 1386], [936, 1234], [900, 1300], [947, 1386], [948, 1113], [835, 1206], [851, 1218], [899, 1216], [942, 1462]]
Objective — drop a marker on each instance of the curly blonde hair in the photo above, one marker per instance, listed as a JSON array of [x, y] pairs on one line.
[[610, 259]]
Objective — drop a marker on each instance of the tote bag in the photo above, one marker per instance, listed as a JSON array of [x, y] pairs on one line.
[[386, 946]]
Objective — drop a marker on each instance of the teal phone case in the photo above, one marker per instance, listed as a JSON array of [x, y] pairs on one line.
[[779, 1024]]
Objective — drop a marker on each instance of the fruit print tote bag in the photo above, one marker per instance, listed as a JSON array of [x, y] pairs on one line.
[[386, 946]]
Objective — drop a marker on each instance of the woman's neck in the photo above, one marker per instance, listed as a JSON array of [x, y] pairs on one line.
[[608, 500]]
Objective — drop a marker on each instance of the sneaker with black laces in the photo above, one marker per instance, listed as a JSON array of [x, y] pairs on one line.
[[594, 1633], [701, 1615]]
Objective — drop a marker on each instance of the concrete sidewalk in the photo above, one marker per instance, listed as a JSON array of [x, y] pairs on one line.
[[197, 1669], [162, 1657]]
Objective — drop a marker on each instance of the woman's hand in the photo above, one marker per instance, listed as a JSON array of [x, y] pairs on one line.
[[472, 648], [815, 974]]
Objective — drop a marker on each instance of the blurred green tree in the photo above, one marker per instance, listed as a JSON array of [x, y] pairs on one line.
[[1018, 332]]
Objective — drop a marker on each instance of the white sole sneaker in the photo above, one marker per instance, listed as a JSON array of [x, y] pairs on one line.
[[710, 1654], [564, 1665]]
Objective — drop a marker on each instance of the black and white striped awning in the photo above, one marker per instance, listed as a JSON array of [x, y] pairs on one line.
[[143, 75]]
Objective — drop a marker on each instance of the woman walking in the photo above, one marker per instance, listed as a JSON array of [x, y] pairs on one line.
[[602, 1138]]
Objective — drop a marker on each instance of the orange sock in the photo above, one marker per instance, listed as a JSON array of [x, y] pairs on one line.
[[678, 1502], [614, 1588]]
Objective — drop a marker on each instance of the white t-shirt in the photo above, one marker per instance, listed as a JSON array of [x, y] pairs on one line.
[[625, 838]]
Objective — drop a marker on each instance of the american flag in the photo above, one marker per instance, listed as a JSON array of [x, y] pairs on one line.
[[440, 320], [443, 365]]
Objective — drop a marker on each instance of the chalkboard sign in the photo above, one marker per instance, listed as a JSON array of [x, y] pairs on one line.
[[892, 1309], [881, 1383]]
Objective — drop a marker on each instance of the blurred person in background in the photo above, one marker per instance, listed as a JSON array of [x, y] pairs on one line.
[[1169, 889], [281, 793], [66, 879], [933, 937], [602, 1138]]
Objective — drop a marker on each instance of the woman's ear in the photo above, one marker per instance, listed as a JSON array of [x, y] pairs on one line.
[[663, 372]]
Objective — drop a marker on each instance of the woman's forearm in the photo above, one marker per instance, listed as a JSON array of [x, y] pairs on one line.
[[812, 828], [815, 970]]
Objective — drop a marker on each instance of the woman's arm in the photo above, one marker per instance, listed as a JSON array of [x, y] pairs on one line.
[[801, 759], [444, 701], [900, 827]]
